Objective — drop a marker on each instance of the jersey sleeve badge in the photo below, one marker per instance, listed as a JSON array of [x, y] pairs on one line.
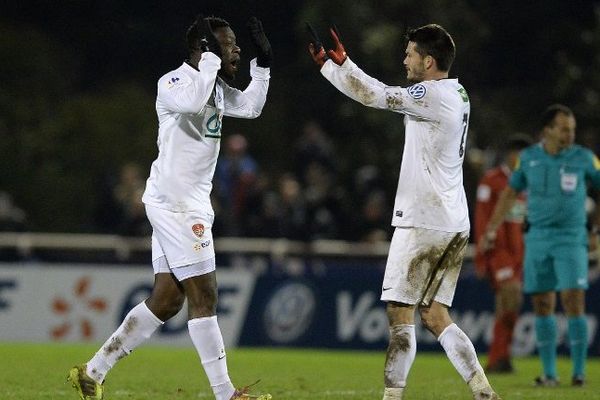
[[417, 91]]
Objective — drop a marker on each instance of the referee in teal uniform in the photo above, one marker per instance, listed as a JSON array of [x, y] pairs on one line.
[[555, 173]]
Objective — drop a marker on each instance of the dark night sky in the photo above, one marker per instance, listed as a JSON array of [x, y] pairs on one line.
[[140, 39], [143, 39]]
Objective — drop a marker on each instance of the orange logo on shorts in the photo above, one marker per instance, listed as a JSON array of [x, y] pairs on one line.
[[198, 229]]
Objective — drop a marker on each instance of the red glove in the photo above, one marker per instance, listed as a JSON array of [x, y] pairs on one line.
[[338, 55]]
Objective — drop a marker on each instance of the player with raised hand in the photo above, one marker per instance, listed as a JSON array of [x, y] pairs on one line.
[[207, 40], [430, 217], [191, 103]]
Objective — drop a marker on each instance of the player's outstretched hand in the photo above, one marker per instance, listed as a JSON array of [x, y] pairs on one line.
[[315, 47], [337, 55], [264, 52], [208, 41]]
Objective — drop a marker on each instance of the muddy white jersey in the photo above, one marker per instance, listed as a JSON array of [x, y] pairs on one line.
[[430, 190], [191, 104]]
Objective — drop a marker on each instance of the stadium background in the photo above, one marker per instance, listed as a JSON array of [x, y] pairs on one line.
[[78, 133]]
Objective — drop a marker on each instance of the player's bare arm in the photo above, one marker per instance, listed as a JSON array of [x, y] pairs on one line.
[[505, 202]]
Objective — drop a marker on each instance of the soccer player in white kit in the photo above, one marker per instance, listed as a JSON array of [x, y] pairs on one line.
[[430, 213], [191, 103]]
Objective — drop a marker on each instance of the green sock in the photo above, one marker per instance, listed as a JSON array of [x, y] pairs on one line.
[[578, 338], [545, 330]]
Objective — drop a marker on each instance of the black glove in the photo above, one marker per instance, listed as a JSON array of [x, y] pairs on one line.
[[264, 53], [315, 46], [208, 41]]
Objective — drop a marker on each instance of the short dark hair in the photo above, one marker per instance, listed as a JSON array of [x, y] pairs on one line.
[[518, 142], [433, 40], [551, 112], [195, 31]]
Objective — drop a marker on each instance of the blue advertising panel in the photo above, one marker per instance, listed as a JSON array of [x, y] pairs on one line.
[[335, 304]]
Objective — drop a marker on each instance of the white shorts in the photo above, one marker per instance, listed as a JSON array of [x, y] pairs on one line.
[[423, 265], [184, 239]]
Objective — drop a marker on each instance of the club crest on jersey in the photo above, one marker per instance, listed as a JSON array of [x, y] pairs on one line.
[[173, 81], [417, 91], [198, 229]]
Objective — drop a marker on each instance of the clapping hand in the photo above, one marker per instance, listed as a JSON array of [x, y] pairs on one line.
[[264, 52]]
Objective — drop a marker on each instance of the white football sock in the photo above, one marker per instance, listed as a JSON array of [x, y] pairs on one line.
[[461, 353], [139, 324], [400, 355], [207, 339]]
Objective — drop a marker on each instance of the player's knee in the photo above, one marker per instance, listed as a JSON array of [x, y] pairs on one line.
[[202, 303], [573, 305], [543, 306], [433, 322], [511, 301], [165, 307]]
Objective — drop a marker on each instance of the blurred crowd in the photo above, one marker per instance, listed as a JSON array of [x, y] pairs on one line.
[[307, 202]]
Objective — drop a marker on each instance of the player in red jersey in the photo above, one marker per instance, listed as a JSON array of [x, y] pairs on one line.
[[502, 264]]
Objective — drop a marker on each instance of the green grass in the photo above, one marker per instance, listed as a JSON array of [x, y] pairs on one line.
[[38, 371]]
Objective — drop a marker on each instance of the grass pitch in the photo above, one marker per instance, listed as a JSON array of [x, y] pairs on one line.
[[38, 371]]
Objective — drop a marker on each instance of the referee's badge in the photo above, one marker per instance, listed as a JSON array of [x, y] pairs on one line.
[[198, 230]]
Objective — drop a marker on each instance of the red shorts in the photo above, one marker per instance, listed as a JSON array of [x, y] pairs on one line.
[[501, 269]]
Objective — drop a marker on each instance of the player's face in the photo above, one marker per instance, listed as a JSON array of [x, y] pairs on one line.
[[560, 134], [511, 159], [230, 52], [414, 63]]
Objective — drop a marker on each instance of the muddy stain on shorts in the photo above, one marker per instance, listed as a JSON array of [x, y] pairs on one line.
[[435, 264], [422, 265], [455, 256]]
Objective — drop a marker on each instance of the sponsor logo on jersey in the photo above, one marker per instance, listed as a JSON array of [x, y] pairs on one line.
[[399, 214], [198, 246], [198, 229], [484, 193], [213, 126], [417, 91]]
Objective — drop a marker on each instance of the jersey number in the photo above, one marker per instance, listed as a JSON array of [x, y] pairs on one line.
[[461, 150]]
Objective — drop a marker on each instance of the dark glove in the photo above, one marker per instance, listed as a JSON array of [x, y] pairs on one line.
[[315, 47], [208, 41], [337, 55], [264, 53]]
